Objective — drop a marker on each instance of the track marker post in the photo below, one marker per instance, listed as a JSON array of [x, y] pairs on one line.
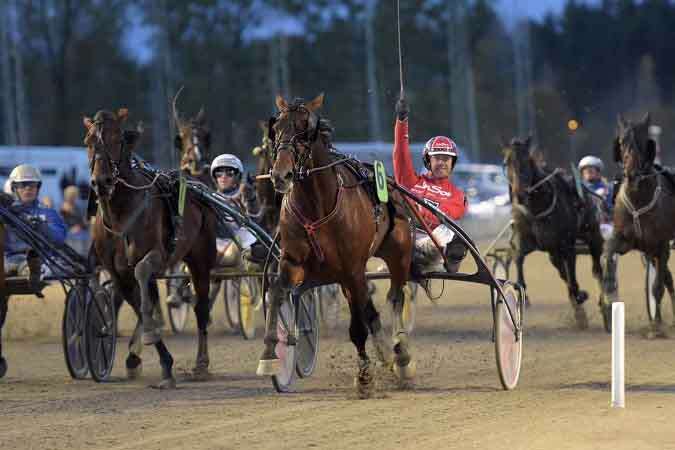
[[618, 354]]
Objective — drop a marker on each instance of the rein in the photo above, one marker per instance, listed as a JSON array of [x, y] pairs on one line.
[[636, 213], [526, 212]]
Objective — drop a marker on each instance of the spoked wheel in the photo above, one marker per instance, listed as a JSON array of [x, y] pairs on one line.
[[101, 334], [179, 301], [409, 313], [329, 305], [650, 279], [285, 349], [508, 338], [231, 298], [247, 308], [72, 331], [308, 333]]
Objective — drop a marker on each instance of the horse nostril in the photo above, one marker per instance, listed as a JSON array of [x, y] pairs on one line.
[[288, 176]]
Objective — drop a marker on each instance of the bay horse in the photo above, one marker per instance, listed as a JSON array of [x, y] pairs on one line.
[[193, 143], [643, 214], [132, 237], [270, 200], [548, 215], [329, 228]]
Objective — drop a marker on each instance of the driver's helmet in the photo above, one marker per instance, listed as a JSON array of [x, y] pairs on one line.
[[226, 160], [439, 145], [24, 174], [591, 161]]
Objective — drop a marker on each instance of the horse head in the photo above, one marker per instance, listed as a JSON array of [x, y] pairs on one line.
[[519, 165], [634, 148], [192, 140], [109, 149], [293, 131]]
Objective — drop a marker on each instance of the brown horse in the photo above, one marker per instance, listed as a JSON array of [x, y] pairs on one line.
[[132, 236], [329, 228], [193, 143], [549, 216], [269, 199], [643, 214]]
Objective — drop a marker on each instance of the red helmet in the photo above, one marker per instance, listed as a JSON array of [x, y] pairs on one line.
[[440, 145]]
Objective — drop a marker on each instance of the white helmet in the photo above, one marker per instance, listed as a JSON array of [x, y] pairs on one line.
[[591, 161], [7, 188], [226, 160], [25, 173]]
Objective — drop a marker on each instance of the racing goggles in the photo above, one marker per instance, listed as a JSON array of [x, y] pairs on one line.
[[26, 184], [226, 171]]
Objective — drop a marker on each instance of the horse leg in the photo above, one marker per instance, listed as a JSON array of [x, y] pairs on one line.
[[4, 300], [661, 265], [279, 290], [595, 247], [577, 296], [201, 281], [520, 250], [668, 281], [357, 294], [144, 270]]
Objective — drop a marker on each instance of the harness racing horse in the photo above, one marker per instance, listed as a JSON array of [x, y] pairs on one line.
[[643, 215], [329, 228], [549, 216], [193, 143], [132, 236], [270, 200]]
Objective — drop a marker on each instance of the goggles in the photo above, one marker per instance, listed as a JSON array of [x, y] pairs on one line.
[[227, 171], [26, 184]]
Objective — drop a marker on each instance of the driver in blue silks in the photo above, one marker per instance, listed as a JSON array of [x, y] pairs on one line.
[[25, 183], [591, 168]]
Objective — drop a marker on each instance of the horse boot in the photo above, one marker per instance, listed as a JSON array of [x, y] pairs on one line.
[[363, 382]]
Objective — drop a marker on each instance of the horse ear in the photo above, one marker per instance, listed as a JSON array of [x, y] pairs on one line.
[[131, 139], [621, 122], [281, 103], [201, 116], [616, 150], [122, 115], [316, 103], [87, 122], [646, 120], [651, 150]]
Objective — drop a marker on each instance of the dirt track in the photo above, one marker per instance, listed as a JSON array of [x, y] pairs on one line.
[[562, 401]]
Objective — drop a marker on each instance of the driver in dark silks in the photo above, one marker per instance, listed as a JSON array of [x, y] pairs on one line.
[[440, 156]]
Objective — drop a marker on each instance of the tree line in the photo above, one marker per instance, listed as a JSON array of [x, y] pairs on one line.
[[468, 72]]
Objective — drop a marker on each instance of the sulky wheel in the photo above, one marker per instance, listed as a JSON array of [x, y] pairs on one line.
[[72, 330], [179, 300], [308, 333], [329, 305], [286, 351], [231, 300], [100, 334], [650, 279], [178, 315], [247, 308], [508, 338]]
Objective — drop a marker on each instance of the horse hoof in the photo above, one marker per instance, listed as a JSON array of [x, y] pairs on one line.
[[364, 389], [581, 317], [3, 366], [167, 383], [201, 374], [268, 367], [134, 373], [406, 372]]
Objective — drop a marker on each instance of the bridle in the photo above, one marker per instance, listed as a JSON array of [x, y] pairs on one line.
[[100, 155], [299, 148], [531, 189]]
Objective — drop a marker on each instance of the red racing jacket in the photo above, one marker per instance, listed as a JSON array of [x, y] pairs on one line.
[[441, 192]]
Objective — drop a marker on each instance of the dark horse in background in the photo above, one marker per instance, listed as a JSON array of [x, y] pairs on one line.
[[270, 199], [548, 215], [133, 237], [193, 143], [329, 228], [644, 215]]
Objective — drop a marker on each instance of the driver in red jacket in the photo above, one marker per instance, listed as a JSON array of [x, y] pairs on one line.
[[435, 186]]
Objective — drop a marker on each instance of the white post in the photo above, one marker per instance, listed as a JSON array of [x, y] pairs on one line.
[[618, 380]]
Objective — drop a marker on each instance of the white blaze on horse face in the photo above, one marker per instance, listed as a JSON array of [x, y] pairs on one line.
[[195, 143]]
